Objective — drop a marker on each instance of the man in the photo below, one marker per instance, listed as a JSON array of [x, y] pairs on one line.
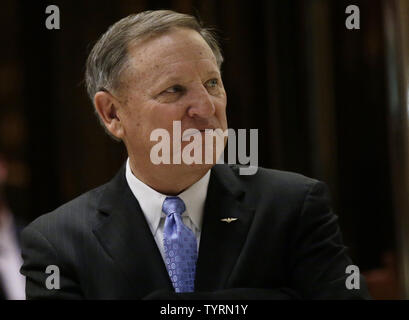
[[178, 230]]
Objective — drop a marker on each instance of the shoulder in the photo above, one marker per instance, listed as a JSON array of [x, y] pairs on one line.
[[268, 179], [71, 217], [271, 188]]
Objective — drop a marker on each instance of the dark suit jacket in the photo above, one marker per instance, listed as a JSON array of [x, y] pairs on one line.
[[285, 243]]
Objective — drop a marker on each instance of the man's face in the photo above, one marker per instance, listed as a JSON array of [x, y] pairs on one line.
[[173, 77]]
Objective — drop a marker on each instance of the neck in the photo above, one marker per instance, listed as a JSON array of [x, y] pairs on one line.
[[169, 179]]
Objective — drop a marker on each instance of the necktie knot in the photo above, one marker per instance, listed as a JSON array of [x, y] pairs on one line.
[[173, 205], [180, 246]]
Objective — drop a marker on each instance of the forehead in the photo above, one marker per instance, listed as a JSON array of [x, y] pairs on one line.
[[176, 49]]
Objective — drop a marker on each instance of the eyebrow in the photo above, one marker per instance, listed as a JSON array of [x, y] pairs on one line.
[[163, 79]]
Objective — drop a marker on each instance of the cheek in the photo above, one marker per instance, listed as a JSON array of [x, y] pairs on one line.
[[221, 112], [131, 120], [164, 115]]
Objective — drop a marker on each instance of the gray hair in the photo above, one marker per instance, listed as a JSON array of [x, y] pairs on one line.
[[108, 58]]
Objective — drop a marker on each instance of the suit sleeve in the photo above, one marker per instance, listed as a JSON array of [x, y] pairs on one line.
[[38, 253], [318, 256]]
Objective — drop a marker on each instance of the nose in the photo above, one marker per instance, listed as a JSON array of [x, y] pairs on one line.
[[201, 104]]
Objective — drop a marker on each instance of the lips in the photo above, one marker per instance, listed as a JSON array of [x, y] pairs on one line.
[[188, 133]]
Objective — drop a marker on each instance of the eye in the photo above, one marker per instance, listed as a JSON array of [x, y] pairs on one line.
[[171, 94], [212, 83], [174, 89]]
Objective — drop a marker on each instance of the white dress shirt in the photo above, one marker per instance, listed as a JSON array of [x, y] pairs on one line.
[[10, 260], [151, 203]]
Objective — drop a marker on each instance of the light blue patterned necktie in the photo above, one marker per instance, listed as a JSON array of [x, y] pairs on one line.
[[180, 246]]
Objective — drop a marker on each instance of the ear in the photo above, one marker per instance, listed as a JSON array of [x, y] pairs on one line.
[[107, 107]]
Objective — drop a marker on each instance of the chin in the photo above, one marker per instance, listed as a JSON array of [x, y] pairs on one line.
[[204, 167]]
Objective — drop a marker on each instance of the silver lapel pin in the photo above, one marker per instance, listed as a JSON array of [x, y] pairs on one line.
[[228, 220]]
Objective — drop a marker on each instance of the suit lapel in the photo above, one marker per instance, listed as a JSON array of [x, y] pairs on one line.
[[126, 237], [221, 242]]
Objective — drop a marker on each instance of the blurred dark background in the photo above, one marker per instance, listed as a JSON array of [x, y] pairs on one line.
[[321, 96]]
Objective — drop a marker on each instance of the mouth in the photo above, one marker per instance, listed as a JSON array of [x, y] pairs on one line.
[[188, 133]]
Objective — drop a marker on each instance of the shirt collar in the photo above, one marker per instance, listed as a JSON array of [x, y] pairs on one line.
[[151, 201], [194, 198]]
